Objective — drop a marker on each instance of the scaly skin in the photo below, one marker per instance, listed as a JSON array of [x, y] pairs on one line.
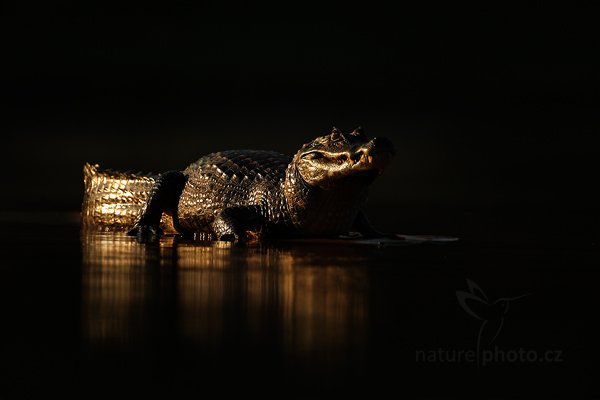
[[113, 201], [236, 194]]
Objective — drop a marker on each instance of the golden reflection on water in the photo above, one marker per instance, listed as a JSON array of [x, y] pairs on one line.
[[311, 304]]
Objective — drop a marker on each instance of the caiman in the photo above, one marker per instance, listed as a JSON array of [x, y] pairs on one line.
[[236, 195]]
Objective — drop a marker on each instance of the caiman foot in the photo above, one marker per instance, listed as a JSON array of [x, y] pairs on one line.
[[146, 233], [232, 223], [233, 237]]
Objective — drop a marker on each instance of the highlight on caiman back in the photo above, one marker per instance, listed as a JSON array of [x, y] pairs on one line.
[[236, 195]]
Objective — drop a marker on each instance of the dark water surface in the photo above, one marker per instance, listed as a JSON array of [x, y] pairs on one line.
[[96, 315]]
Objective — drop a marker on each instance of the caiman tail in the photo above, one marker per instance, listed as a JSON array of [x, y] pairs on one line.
[[113, 200]]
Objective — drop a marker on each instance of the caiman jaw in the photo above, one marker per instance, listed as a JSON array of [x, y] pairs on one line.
[[331, 158], [356, 158], [363, 159], [360, 157]]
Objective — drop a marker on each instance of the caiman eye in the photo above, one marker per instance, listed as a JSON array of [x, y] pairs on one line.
[[336, 135], [313, 155]]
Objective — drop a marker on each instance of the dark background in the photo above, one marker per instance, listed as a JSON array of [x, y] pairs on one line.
[[492, 111]]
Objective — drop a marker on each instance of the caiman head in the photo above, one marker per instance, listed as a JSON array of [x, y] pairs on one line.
[[328, 179], [332, 159]]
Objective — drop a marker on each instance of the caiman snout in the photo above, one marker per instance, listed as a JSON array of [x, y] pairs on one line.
[[376, 154]]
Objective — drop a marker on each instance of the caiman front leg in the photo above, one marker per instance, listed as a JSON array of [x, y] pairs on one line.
[[164, 197], [233, 222]]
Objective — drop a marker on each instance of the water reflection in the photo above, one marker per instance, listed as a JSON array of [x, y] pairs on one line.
[[309, 304]]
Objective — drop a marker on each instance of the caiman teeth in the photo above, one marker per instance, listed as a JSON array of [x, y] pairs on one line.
[[356, 158], [370, 158]]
